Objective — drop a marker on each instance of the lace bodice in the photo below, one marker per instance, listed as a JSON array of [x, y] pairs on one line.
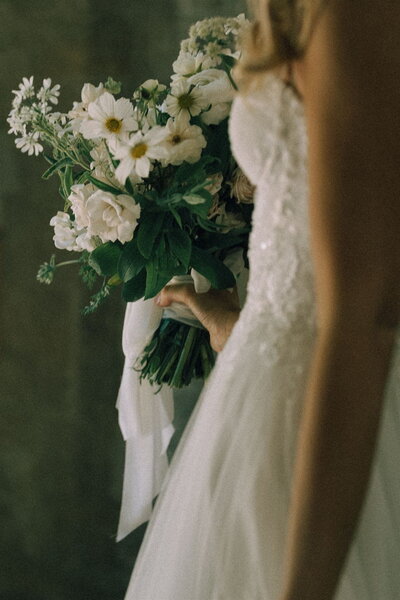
[[269, 141]]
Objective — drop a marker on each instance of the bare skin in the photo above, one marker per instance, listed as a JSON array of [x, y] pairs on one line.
[[217, 310], [354, 153]]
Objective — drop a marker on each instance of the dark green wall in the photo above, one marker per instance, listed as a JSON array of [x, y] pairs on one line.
[[61, 459]]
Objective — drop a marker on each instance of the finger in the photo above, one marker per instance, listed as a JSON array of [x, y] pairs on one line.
[[175, 293]]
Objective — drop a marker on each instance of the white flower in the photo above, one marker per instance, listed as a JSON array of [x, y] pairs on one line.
[[47, 93], [188, 64], [216, 114], [29, 143], [79, 112], [25, 91], [217, 88], [112, 217], [215, 85], [69, 236], [101, 165], [84, 241], [236, 25], [151, 88], [65, 232], [183, 142], [137, 154], [78, 198], [109, 118], [185, 99], [16, 122]]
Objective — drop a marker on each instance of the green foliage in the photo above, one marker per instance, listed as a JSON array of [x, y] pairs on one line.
[[131, 261], [101, 185], [134, 289], [148, 230], [104, 259], [97, 299], [59, 164], [211, 267], [180, 245]]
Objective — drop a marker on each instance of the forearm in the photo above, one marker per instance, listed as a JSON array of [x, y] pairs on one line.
[[335, 452]]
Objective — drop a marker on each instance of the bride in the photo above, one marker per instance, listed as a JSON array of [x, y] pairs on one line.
[[286, 484]]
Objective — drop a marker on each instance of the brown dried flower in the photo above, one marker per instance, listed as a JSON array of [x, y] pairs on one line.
[[241, 188]]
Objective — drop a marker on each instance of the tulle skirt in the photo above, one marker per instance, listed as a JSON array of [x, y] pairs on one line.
[[219, 526]]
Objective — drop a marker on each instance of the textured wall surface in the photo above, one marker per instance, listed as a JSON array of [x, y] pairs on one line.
[[61, 458]]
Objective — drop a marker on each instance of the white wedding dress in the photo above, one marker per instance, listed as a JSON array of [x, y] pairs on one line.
[[219, 525]]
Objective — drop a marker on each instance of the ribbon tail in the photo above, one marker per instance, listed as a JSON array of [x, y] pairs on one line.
[[145, 418]]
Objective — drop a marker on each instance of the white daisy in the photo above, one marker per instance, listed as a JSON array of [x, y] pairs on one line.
[[137, 155], [109, 118], [183, 142], [185, 99]]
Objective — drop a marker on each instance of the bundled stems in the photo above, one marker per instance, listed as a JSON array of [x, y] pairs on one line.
[[176, 354]]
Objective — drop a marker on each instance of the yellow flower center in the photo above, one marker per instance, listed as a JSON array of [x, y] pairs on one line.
[[176, 139], [114, 125], [185, 101], [139, 151]]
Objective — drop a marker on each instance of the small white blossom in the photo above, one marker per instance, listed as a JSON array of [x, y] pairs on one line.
[[109, 118], [185, 99], [112, 217], [236, 25], [183, 142], [65, 232], [30, 143], [25, 90], [47, 93], [150, 89], [137, 155]]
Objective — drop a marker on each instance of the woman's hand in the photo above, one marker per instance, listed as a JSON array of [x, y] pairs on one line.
[[217, 310]]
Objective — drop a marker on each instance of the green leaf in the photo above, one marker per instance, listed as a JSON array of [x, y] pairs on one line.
[[176, 216], [131, 261], [155, 280], [134, 289], [216, 272], [60, 164], [103, 186], [180, 245], [68, 179], [104, 259], [149, 227]]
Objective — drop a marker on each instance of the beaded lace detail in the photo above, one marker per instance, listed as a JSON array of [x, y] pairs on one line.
[[270, 143]]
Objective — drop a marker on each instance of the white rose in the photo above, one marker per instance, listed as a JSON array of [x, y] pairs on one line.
[[216, 114], [78, 197], [112, 217], [215, 85]]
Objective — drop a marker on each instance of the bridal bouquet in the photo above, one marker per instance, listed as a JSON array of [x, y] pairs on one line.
[[151, 193]]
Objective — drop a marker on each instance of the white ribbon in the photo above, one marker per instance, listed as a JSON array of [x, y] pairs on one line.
[[145, 413], [145, 419]]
